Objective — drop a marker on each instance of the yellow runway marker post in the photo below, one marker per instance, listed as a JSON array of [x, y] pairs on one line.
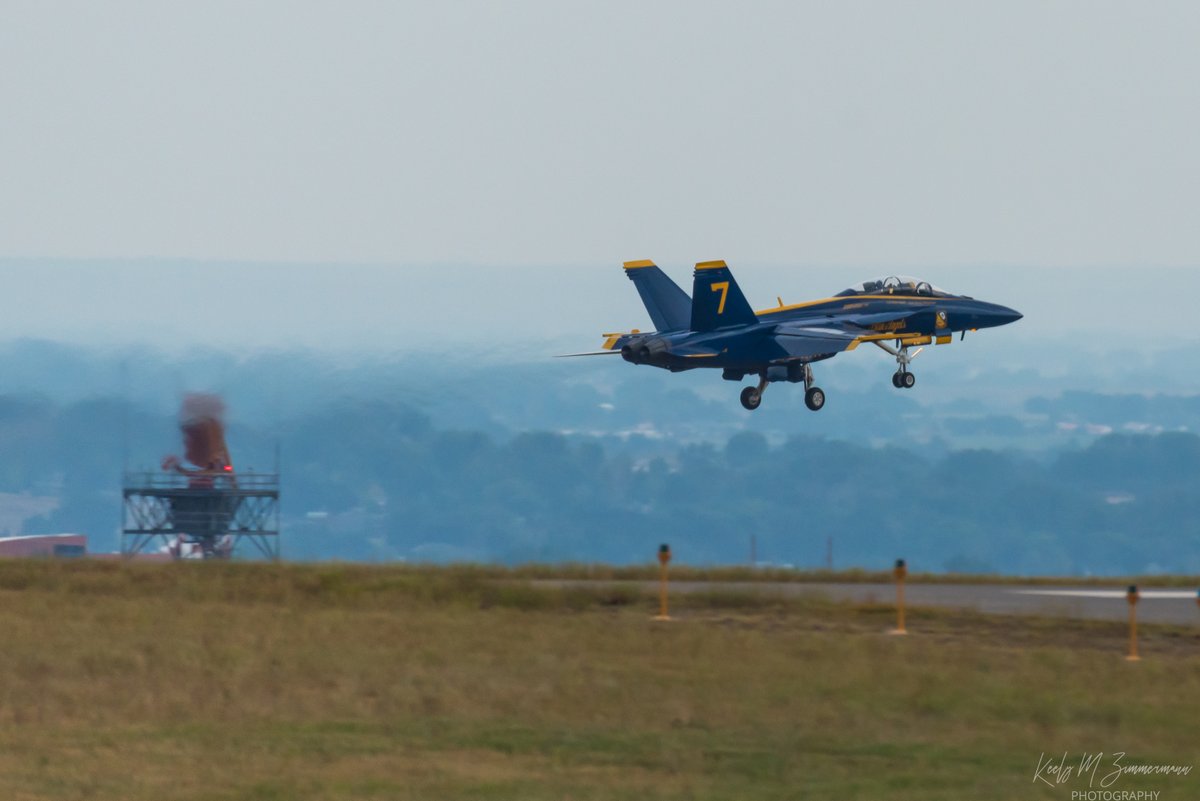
[[901, 573], [1132, 596], [664, 558]]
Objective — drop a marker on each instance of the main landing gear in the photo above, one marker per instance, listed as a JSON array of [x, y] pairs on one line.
[[814, 396], [902, 378], [752, 396]]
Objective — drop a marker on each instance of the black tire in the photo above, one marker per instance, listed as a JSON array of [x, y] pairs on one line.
[[814, 398], [896, 380], [909, 380], [751, 398]]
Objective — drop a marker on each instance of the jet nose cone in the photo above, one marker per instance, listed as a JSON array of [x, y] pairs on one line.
[[990, 315], [1006, 315]]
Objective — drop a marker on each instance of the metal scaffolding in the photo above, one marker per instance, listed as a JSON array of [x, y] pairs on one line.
[[201, 515]]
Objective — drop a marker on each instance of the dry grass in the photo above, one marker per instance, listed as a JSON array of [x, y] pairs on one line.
[[243, 681]]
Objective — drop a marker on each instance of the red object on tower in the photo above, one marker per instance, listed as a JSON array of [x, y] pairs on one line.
[[198, 506]]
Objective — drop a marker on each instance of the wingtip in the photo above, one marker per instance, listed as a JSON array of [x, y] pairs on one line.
[[711, 265], [633, 265]]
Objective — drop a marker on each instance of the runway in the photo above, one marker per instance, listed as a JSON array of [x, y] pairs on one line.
[[1174, 606]]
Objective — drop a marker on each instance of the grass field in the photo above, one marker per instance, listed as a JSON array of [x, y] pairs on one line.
[[242, 681]]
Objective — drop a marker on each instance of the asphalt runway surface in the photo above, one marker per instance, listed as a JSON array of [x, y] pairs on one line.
[[1176, 606]]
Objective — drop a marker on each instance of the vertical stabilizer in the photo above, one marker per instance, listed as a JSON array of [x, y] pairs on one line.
[[668, 305], [717, 301]]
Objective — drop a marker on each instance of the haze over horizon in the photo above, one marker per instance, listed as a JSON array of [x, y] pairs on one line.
[[533, 313]]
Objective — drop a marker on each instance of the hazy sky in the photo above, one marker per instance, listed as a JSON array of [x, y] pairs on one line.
[[585, 133]]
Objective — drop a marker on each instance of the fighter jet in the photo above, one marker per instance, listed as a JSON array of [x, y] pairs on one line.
[[717, 328]]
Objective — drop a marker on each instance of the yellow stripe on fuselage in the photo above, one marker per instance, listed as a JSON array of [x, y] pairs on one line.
[[905, 339], [849, 299]]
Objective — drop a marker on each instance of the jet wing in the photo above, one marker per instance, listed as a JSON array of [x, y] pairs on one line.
[[868, 320], [802, 341], [837, 333]]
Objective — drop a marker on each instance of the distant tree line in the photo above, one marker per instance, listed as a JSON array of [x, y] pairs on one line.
[[377, 480]]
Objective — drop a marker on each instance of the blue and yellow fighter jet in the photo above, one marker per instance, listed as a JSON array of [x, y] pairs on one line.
[[717, 328]]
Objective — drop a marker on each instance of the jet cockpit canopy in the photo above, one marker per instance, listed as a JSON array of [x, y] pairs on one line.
[[895, 285]]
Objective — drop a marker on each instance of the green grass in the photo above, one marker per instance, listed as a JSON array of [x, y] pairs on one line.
[[245, 681]]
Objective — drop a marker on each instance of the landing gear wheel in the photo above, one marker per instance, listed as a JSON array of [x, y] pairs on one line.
[[896, 380], [751, 398], [908, 379], [814, 398]]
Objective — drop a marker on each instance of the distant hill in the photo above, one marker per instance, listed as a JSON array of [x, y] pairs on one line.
[[430, 456]]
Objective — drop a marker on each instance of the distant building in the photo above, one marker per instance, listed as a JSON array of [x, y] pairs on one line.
[[61, 546]]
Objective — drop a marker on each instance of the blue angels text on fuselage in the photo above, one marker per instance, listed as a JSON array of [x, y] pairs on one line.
[[717, 328]]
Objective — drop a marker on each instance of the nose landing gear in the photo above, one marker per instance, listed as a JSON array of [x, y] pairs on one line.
[[814, 396], [902, 378]]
